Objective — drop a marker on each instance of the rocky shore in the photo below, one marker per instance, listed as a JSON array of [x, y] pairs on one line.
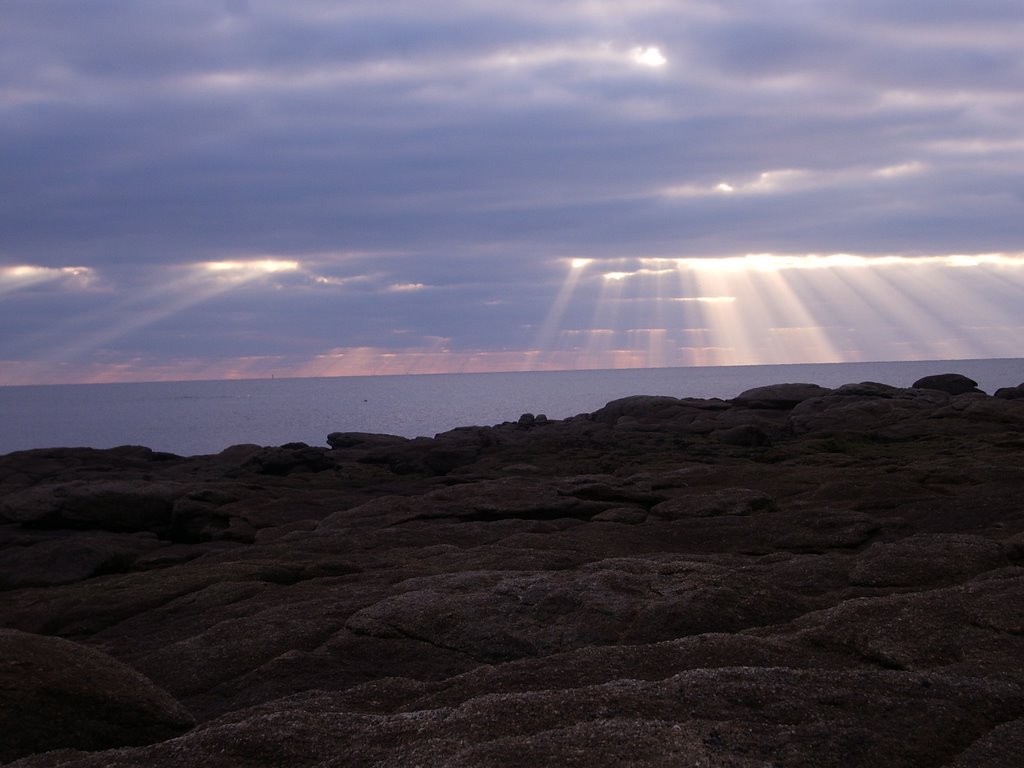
[[796, 577]]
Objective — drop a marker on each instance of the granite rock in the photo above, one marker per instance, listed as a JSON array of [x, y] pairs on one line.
[[800, 576], [58, 694], [952, 383], [779, 396]]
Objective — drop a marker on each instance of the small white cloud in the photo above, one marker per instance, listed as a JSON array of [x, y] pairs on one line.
[[649, 56], [786, 179], [902, 169], [337, 281]]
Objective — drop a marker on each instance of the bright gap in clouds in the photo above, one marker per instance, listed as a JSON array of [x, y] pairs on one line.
[[769, 262], [649, 56], [22, 276], [763, 309], [252, 267]]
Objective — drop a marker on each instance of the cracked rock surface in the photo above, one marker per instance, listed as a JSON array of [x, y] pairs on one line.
[[797, 577]]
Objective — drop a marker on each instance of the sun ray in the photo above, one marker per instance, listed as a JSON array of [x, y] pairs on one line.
[[598, 346], [551, 324], [662, 311], [728, 327], [769, 308], [605, 316], [198, 283]]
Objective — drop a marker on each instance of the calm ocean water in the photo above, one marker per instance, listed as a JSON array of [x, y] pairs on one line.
[[197, 417]]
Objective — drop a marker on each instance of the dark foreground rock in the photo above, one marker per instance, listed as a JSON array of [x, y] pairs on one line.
[[55, 693], [797, 577]]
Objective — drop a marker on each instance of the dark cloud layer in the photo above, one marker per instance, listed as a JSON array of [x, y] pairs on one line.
[[402, 177]]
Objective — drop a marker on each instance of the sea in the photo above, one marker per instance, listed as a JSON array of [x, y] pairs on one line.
[[203, 417]]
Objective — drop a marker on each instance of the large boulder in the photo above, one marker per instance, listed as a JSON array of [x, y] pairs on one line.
[[868, 389], [639, 406], [1010, 393], [953, 383], [288, 459], [55, 693], [362, 440], [779, 396]]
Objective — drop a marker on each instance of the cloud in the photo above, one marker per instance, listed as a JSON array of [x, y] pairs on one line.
[[438, 169], [793, 180], [23, 277]]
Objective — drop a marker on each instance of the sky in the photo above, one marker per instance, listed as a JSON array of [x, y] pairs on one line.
[[204, 189]]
